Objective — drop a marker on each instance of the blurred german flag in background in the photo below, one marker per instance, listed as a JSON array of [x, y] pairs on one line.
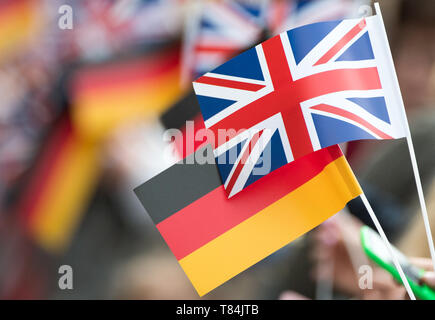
[[109, 94], [103, 98], [20, 21], [59, 187]]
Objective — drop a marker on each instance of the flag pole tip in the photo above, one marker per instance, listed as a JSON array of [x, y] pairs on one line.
[[377, 8]]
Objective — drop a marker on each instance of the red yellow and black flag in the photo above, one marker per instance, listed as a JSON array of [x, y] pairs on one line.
[[215, 238], [116, 93], [20, 22], [59, 187], [104, 97]]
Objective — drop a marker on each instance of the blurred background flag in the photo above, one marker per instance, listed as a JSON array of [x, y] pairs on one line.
[[215, 238], [216, 30], [20, 23], [103, 98], [59, 187], [109, 94], [103, 27], [310, 87]]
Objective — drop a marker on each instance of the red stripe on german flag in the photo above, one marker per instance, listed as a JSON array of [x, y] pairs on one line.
[[215, 238]]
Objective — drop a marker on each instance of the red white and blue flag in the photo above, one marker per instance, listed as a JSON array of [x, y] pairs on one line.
[[218, 30], [303, 90]]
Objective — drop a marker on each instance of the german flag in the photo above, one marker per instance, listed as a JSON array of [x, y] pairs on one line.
[[104, 97], [59, 187], [111, 94], [20, 21], [215, 238]]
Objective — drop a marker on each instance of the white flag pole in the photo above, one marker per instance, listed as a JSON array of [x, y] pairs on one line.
[[389, 247], [410, 147]]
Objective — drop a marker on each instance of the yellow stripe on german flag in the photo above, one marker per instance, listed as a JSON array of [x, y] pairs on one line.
[[215, 238], [59, 187], [20, 21]]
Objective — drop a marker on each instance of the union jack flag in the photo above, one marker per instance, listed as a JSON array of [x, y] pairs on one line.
[[303, 90], [217, 30]]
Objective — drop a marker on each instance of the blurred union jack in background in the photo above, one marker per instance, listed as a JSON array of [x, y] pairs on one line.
[[217, 30]]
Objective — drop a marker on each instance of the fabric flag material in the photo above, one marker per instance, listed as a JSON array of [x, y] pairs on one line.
[[104, 98], [303, 90], [218, 30], [215, 238], [59, 187], [20, 22], [109, 95], [124, 23]]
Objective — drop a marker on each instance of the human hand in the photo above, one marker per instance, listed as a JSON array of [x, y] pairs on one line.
[[429, 275]]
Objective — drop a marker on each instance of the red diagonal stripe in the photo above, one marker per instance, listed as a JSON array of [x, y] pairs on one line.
[[284, 99], [242, 161], [230, 83], [343, 41], [354, 117]]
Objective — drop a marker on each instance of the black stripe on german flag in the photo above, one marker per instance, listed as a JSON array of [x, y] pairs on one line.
[[180, 185], [187, 108]]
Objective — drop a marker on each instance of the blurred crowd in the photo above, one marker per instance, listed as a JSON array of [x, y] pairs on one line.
[[83, 111]]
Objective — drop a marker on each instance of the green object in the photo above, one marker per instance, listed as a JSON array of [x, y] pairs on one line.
[[376, 250]]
